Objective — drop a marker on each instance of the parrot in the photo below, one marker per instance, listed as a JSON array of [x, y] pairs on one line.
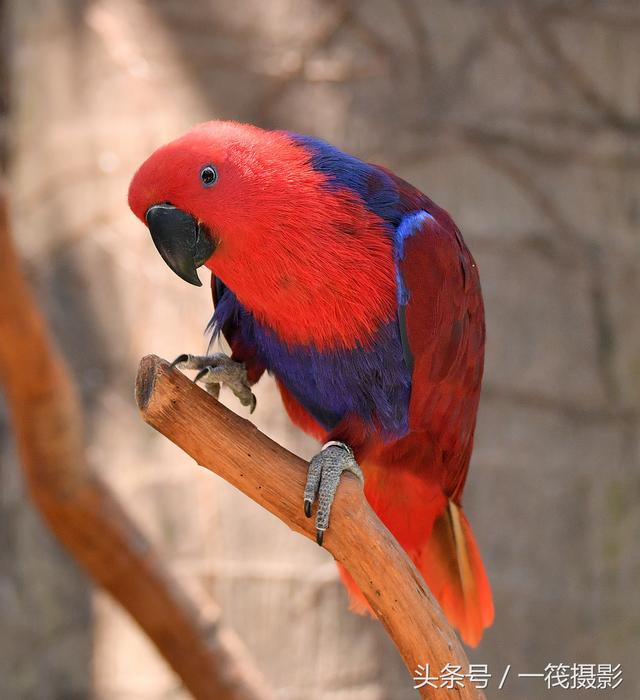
[[358, 295]]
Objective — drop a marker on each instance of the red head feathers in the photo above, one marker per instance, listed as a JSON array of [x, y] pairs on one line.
[[284, 240]]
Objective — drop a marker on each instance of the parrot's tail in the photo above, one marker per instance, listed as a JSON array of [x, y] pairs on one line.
[[449, 561], [452, 567]]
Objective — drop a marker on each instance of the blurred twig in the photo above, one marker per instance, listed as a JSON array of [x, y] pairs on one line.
[[86, 516], [237, 451]]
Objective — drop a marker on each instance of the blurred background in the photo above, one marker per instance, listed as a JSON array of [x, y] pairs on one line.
[[520, 118]]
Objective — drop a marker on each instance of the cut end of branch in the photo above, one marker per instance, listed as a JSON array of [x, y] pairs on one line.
[[146, 379]]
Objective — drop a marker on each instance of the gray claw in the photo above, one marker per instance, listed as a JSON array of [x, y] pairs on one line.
[[323, 479], [179, 360], [213, 389], [201, 374], [200, 361], [216, 370]]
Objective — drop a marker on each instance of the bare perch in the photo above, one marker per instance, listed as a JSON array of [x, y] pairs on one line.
[[237, 451], [86, 516]]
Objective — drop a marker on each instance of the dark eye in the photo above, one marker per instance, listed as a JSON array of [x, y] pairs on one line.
[[208, 175]]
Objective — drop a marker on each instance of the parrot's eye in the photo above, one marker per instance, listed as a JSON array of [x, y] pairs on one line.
[[208, 175]]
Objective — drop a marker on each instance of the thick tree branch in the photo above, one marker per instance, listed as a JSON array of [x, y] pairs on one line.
[[86, 516], [237, 451]]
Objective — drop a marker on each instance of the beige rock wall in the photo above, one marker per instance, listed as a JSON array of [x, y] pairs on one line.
[[522, 119]]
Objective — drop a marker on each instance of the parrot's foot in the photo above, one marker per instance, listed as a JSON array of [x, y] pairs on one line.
[[323, 478], [218, 369]]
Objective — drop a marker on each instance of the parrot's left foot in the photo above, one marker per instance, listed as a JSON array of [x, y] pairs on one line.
[[218, 369], [323, 478]]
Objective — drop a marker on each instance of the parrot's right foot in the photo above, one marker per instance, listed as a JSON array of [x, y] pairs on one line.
[[323, 479], [218, 369]]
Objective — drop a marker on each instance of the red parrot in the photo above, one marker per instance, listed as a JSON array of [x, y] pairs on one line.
[[358, 294]]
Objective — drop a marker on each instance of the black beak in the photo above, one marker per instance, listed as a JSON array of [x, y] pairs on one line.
[[183, 243]]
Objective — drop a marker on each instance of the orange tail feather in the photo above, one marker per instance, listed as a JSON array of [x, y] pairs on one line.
[[452, 567]]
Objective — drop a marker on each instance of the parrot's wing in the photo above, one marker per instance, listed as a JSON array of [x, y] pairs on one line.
[[240, 350], [441, 321]]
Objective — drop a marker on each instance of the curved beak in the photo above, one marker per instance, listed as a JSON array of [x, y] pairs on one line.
[[183, 243]]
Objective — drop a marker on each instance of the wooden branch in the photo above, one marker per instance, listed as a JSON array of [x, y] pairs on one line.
[[86, 516], [237, 451]]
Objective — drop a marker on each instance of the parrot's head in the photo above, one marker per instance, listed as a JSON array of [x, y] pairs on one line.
[[210, 192], [256, 209]]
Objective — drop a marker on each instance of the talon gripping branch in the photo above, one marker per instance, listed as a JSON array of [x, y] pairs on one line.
[[358, 294]]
